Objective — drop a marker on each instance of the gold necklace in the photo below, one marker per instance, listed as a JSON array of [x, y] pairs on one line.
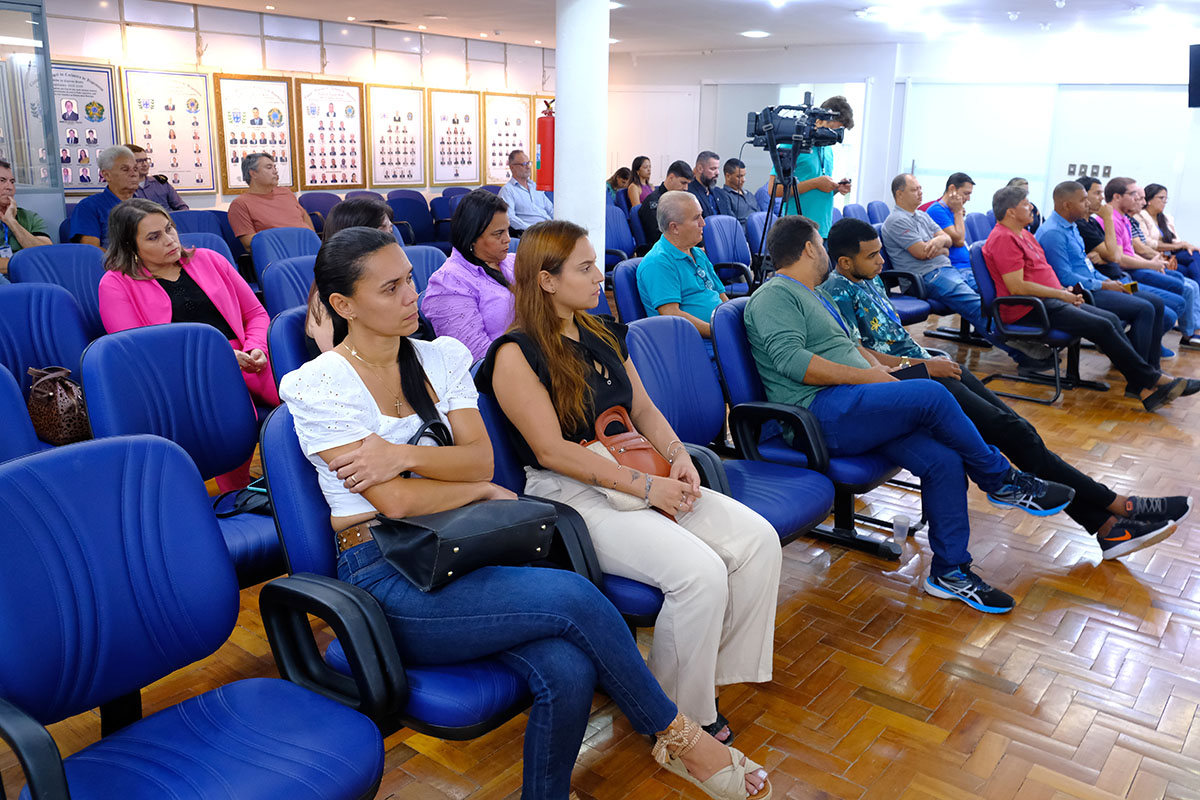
[[399, 403]]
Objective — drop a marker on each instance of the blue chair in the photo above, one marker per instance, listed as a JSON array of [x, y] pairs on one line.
[[676, 371], [453, 202], [835, 215], [641, 243], [235, 244], [285, 338], [64, 231], [411, 194], [131, 583], [77, 268], [855, 211], [196, 221], [755, 225], [494, 188], [451, 191], [419, 217], [755, 424], [549, 194], [602, 307], [618, 240], [40, 326], [286, 284], [350, 195], [276, 244], [764, 200], [978, 227], [18, 437], [182, 382], [726, 246], [625, 291], [208, 241], [1034, 327], [425, 261], [877, 211], [621, 200], [456, 701], [318, 205], [991, 218], [912, 307]]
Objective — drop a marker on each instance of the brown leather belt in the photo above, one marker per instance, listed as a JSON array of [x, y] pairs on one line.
[[353, 536]]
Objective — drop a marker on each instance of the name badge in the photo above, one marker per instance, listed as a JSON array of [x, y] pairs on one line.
[[6, 251]]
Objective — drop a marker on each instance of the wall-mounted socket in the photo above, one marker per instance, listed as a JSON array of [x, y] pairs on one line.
[[1070, 169], [1107, 171]]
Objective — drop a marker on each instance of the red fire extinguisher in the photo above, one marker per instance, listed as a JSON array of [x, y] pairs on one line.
[[545, 148]]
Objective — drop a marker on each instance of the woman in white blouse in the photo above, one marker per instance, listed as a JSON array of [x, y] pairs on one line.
[[355, 408]]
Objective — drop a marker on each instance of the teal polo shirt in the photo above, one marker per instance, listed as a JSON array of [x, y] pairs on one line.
[[669, 275], [814, 204]]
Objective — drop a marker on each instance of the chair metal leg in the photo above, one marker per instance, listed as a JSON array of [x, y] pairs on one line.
[[845, 533], [963, 334], [1034, 378], [1072, 378]]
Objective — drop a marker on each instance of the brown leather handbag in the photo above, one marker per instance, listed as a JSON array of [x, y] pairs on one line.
[[56, 407], [629, 449]]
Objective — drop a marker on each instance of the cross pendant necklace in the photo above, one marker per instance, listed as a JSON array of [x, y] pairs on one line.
[[350, 349]]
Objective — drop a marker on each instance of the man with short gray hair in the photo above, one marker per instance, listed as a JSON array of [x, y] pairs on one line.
[[527, 205], [20, 228], [676, 278], [265, 204], [704, 181], [1018, 266], [89, 222]]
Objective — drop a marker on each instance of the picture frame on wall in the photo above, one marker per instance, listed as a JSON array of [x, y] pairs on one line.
[[86, 113], [454, 138], [396, 130], [167, 113], [329, 124], [507, 126], [539, 110], [251, 111]]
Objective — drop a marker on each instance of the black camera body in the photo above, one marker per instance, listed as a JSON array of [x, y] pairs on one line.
[[798, 130]]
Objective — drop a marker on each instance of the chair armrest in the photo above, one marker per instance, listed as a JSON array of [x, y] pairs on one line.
[[1041, 319], [907, 281], [641, 250], [712, 471], [36, 752], [406, 232], [572, 547], [612, 251], [378, 685], [746, 421], [1087, 295], [437, 225], [735, 266]]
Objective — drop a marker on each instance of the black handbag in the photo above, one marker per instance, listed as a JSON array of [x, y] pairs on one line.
[[432, 550]]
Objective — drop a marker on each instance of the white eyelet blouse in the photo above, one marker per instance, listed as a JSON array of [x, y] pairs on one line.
[[331, 407]]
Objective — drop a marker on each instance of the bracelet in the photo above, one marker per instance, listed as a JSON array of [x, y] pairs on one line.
[[672, 451]]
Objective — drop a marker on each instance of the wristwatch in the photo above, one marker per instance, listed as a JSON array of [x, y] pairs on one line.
[[905, 362]]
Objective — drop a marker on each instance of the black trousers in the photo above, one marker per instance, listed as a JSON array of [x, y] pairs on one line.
[[1014, 436], [1106, 331], [1143, 313]]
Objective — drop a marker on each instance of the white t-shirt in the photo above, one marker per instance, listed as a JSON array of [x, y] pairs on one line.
[[331, 407]]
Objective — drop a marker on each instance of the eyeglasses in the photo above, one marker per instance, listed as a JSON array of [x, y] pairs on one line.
[[522, 163], [143, 161]]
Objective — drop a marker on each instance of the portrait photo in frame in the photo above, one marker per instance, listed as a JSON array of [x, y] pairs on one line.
[[251, 111], [329, 124], [396, 130], [454, 138], [167, 113], [506, 127], [85, 99]]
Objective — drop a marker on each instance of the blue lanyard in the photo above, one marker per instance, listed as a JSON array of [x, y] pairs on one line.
[[2, 225], [828, 305], [883, 301]]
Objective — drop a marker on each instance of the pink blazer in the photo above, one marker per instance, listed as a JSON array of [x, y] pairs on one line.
[[128, 303]]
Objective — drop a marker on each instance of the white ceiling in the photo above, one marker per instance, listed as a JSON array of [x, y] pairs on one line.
[[699, 25]]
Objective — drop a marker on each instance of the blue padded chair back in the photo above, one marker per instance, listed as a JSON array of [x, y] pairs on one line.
[[451, 191], [64, 231], [836, 216], [40, 326], [621, 200], [625, 291], [635, 225], [739, 374], [983, 278], [416, 213], [301, 513], [235, 244], [77, 268], [286, 283], [610, 198], [508, 471], [196, 221], [411, 194], [978, 227], [425, 261], [602, 307], [762, 197], [494, 188], [208, 241], [454, 201], [114, 543], [180, 381], [877, 211], [617, 235], [285, 339], [724, 240], [856, 211], [754, 229], [887, 260], [17, 437], [276, 244], [677, 373], [320, 202], [364, 193]]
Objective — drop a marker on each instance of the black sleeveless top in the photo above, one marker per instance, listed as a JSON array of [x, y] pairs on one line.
[[608, 381], [189, 303]]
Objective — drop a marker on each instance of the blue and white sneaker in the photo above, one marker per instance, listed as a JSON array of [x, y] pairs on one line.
[[1032, 495], [963, 584]]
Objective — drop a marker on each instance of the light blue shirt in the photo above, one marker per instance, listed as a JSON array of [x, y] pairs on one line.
[[1065, 252], [526, 205], [669, 275]]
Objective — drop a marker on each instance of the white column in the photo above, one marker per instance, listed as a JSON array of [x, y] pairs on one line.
[[581, 111]]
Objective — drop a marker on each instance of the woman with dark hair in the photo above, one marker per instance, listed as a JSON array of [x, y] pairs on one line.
[[618, 182], [717, 562], [151, 279], [469, 297], [1159, 229], [355, 408], [640, 186]]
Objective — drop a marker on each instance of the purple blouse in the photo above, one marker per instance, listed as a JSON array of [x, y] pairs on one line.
[[466, 303]]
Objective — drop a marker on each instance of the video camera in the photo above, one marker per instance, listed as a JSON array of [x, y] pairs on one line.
[[773, 127]]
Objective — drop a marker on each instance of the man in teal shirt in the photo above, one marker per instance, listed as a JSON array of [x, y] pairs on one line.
[[807, 356], [814, 186], [676, 278]]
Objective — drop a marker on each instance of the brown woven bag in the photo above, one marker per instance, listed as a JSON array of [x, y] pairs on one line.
[[56, 407]]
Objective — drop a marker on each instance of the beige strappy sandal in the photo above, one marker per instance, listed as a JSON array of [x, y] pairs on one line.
[[728, 783]]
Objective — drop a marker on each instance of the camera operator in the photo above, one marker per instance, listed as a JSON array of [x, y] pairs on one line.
[[814, 186]]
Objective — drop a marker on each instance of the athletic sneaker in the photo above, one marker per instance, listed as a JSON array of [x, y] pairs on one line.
[[1191, 387], [1158, 509], [1031, 494], [1130, 535], [963, 584]]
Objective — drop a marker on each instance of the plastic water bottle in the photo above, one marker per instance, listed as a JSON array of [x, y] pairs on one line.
[[900, 525]]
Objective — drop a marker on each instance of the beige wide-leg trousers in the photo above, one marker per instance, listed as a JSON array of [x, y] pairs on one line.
[[718, 569]]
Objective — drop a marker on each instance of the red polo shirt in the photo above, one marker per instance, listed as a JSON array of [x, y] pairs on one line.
[[1004, 252]]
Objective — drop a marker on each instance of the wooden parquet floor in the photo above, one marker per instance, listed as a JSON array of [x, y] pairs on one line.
[[1089, 689]]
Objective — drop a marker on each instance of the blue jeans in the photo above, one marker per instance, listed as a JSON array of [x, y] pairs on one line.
[[918, 425], [550, 626], [1179, 285], [950, 286]]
